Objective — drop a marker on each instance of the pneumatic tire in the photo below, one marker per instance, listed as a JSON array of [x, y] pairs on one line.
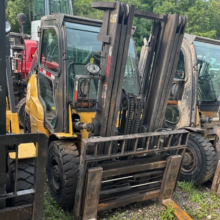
[[20, 107], [63, 171], [25, 180], [199, 161]]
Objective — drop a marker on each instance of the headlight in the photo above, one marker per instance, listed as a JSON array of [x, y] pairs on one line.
[[84, 87], [92, 68], [7, 26]]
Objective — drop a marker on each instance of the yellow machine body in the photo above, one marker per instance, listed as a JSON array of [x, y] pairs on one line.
[[35, 110], [12, 126]]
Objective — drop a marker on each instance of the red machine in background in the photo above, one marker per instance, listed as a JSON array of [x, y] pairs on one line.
[[22, 54], [24, 65]]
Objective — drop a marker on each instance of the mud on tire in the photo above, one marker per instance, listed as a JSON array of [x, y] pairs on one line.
[[25, 180], [63, 171], [205, 157]]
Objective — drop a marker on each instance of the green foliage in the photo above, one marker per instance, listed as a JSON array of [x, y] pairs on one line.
[[168, 213], [15, 7], [194, 193], [117, 216], [52, 211], [186, 186], [203, 16], [197, 196]]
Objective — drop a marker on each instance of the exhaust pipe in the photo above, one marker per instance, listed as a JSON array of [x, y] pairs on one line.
[[22, 20]]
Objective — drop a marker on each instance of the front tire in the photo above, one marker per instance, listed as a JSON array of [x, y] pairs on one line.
[[200, 160], [63, 171], [25, 180]]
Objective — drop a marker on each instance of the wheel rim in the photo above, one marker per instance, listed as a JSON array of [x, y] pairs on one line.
[[55, 174], [189, 161]]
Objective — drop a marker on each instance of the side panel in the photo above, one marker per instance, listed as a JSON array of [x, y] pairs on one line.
[[34, 108], [185, 105]]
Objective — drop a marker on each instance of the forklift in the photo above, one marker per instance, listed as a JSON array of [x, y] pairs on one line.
[[22, 156], [197, 79], [107, 144]]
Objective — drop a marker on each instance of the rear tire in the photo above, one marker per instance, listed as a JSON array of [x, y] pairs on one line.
[[63, 171], [20, 110], [200, 160], [25, 180]]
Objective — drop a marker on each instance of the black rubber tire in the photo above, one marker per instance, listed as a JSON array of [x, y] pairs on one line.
[[25, 180], [20, 107], [63, 158], [205, 160], [27, 123]]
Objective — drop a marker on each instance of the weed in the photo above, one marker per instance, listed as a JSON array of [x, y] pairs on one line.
[[197, 196], [52, 211], [186, 186], [176, 196], [168, 213], [117, 217], [197, 213], [204, 205], [214, 205]]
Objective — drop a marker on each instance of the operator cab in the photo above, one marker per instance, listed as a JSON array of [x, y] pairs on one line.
[[69, 64]]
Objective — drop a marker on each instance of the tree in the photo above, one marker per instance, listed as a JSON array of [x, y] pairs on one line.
[[15, 7], [197, 11]]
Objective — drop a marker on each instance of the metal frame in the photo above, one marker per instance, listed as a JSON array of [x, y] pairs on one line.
[[96, 168], [9, 143], [2, 98], [169, 33], [35, 210], [216, 180]]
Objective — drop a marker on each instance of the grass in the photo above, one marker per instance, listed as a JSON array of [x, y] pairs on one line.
[[116, 216], [186, 186], [196, 195], [52, 211], [198, 202], [168, 213], [202, 204]]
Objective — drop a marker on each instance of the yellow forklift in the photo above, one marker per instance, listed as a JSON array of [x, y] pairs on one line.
[[197, 79], [22, 156], [107, 145]]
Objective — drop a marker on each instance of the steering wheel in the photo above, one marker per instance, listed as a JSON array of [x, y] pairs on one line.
[[97, 57]]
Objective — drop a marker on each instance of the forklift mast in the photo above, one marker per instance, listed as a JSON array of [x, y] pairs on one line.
[[159, 70], [115, 36]]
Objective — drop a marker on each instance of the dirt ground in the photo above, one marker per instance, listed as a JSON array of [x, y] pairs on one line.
[[198, 202]]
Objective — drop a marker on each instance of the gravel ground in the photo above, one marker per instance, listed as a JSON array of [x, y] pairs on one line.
[[198, 202]]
